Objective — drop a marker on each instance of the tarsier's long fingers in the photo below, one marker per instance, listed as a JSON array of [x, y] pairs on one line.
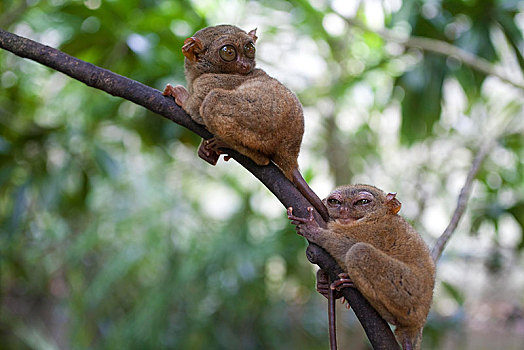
[[208, 147], [322, 284], [323, 288], [298, 220], [179, 93], [343, 282], [168, 90], [294, 218], [343, 275], [214, 144], [207, 154], [311, 218], [306, 227]]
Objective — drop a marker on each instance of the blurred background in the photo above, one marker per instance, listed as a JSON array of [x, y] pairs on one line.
[[115, 235]]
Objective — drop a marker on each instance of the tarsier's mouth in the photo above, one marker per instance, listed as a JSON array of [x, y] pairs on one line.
[[245, 69], [347, 220]]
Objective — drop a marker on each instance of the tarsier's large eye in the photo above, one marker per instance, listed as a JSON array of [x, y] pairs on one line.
[[362, 201], [333, 201], [228, 53], [249, 50]]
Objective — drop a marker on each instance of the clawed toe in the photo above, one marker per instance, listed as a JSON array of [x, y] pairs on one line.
[[208, 154], [209, 150], [296, 220], [179, 93], [323, 288], [343, 282], [215, 144]]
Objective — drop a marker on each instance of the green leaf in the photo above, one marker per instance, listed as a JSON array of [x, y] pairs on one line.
[[423, 93], [518, 213], [454, 292], [106, 163], [512, 33]]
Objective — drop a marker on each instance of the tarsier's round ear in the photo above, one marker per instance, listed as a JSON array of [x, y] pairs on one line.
[[392, 203], [253, 35], [192, 47]]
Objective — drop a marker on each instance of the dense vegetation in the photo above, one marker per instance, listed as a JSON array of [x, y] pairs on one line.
[[114, 235]]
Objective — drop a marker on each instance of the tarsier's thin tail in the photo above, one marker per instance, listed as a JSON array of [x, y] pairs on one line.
[[332, 320], [307, 192], [409, 338]]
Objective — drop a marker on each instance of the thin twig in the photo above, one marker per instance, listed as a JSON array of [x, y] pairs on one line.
[[376, 328], [462, 201], [441, 47], [359, 304]]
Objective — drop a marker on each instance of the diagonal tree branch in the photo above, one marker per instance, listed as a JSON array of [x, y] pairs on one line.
[[462, 201], [376, 328]]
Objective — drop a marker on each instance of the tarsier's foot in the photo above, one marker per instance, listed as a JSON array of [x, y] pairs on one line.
[[306, 227], [323, 288], [208, 154], [209, 150], [179, 93], [215, 144], [343, 282], [295, 220]]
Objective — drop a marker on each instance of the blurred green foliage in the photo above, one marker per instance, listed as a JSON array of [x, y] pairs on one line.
[[467, 25], [114, 235]]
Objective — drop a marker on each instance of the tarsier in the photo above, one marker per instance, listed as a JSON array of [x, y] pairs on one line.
[[243, 107], [381, 254]]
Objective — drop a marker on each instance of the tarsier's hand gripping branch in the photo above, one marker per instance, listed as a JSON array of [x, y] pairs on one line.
[[306, 227], [309, 228]]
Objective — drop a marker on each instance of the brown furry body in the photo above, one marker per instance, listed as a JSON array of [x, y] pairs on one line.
[[243, 107], [253, 114], [385, 258]]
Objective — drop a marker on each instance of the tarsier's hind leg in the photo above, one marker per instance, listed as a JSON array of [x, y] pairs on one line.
[[380, 277]]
